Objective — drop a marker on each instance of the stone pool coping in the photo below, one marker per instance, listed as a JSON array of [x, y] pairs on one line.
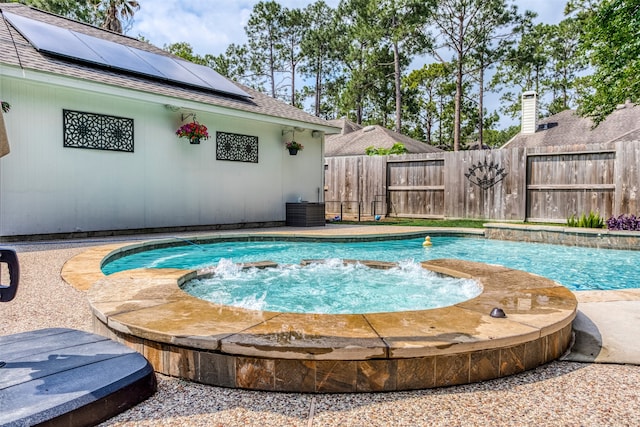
[[562, 235], [226, 346]]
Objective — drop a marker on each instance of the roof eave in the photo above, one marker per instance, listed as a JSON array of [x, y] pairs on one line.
[[42, 77]]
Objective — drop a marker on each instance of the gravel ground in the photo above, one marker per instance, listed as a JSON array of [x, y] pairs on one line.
[[557, 394]]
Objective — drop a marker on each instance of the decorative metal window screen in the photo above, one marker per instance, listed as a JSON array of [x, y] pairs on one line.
[[97, 131], [237, 148]]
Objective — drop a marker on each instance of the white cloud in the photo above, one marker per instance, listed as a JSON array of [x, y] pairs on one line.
[[207, 26]]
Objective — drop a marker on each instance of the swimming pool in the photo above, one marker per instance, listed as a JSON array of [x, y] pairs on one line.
[[577, 268], [235, 347]]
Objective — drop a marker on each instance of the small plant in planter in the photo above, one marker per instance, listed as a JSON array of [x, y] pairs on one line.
[[624, 222], [294, 147], [5, 106], [593, 220], [193, 131]]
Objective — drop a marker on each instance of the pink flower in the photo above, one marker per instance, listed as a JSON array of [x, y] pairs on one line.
[[193, 130], [294, 145]]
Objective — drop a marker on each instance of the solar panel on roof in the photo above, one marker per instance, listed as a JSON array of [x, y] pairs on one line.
[[170, 69], [117, 55], [212, 78], [72, 44], [50, 38]]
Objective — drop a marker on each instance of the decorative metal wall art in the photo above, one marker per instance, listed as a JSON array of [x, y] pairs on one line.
[[485, 175], [97, 131], [237, 148]]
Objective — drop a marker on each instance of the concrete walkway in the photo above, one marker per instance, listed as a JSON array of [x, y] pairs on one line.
[[606, 328]]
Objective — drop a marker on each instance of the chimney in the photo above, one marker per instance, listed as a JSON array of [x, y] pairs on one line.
[[529, 112]]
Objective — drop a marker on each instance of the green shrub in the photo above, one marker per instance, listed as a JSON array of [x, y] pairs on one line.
[[593, 220], [398, 148]]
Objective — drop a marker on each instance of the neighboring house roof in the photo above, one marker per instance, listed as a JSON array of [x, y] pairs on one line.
[[355, 143], [568, 128], [346, 125], [16, 51]]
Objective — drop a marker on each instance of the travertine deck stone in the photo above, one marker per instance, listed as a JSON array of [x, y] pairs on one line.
[[608, 296], [84, 270], [309, 336], [233, 347], [447, 330]]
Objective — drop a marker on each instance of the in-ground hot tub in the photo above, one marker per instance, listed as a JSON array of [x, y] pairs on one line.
[[234, 347]]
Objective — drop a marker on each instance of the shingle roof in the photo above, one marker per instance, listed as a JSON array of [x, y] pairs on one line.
[[346, 125], [355, 143], [17, 51], [568, 128]]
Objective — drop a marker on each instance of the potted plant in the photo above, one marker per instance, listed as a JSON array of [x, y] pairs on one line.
[[193, 131], [294, 147], [5, 106]]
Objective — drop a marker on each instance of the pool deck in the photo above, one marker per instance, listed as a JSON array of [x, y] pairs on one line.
[[559, 393]]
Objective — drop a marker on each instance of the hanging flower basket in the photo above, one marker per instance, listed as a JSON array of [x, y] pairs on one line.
[[294, 147], [193, 131]]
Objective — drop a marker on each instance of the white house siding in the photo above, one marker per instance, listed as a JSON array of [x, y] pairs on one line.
[[167, 182]]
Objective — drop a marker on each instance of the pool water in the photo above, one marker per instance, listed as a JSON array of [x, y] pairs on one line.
[[331, 287], [577, 268]]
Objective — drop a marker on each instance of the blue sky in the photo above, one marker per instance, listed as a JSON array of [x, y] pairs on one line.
[[210, 26]]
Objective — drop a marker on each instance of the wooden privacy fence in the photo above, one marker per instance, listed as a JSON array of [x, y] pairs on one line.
[[355, 186], [543, 184]]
